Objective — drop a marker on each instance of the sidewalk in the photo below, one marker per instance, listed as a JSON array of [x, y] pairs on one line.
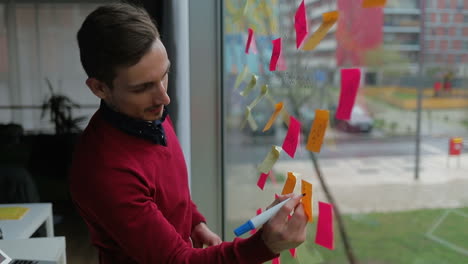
[[377, 184]]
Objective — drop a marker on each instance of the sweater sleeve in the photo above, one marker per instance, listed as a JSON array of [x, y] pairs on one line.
[[124, 209], [197, 217]]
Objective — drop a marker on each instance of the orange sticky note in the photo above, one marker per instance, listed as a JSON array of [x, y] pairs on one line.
[[328, 20], [317, 131], [307, 199], [289, 184], [278, 108], [373, 3]]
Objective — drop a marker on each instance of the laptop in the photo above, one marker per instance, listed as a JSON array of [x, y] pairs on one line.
[[4, 259]]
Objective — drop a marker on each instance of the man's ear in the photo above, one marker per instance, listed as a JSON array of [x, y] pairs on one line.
[[99, 88]]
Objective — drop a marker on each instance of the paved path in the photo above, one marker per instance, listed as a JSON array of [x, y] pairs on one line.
[[377, 184]]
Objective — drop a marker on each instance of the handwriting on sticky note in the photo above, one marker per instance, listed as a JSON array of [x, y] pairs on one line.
[[278, 108], [373, 3], [306, 201], [328, 20], [289, 184], [263, 92], [262, 179], [275, 53], [292, 137], [249, 119], [350, 79], [240, 78], [317, 131], [270, 159], [250, 86], [325, 235], [301, 24]]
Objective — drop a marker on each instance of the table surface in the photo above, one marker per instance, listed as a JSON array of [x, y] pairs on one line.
[[31, 221], [41, 248]]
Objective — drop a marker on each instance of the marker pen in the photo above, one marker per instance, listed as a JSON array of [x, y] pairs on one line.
[[260, 219]]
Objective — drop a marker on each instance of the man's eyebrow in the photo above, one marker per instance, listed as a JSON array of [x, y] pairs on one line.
[[140, 84]]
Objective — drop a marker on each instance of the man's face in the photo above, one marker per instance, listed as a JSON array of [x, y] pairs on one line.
[[140, 91]]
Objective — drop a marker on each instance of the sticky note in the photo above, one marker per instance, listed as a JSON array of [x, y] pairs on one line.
[[292, 137], [250, 86], [249, 119], [300, 24], [278, 108], [289, 184], [262, 179], [317, 131], [293, 253], [275, 54], [276, 261], [325, 235], [328, 20], [373, 3], [253, 231], [251, 43], [270, 159], [263, 92], [12, 213], [306, 201], [241, 77], [350, 79]]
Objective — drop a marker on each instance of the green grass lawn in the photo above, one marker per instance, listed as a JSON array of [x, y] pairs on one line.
[[383, 238], [400, 95]]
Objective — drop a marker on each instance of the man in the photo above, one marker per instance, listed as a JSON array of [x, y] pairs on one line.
[[129, 178]]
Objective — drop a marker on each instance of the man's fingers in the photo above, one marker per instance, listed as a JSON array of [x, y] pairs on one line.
[[279, 200], [281, 217], [298, 220]]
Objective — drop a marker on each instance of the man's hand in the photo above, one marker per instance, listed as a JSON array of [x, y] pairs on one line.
[[279, 233], [202, 235]]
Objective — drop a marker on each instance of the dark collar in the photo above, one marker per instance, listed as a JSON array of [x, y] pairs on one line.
[[152, 131]]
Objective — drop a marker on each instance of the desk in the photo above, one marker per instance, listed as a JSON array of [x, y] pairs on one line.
[[38, 214], [41, 248]]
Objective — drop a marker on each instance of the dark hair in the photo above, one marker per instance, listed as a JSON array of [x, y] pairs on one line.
[[114, 35]]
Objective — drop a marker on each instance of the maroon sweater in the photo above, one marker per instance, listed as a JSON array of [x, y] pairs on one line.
[[134, 197]]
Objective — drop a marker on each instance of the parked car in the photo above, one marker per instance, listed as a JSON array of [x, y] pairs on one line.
[[360, 121]]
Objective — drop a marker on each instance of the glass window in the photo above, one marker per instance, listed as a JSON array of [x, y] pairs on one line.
[[388, 167]]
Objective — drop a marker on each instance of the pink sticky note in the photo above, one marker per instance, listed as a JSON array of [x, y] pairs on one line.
[[276, 196], [250, 45], [324, 235], [262, 180], [300, 24], [276, 261], [275, 54], [292, 137], [259, 211], [350, 79]]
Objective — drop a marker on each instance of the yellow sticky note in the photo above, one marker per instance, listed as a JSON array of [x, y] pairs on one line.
[[328, 20], [249, 119], [373, 3], [270, 159], [290, 184], [263, 92], [250, 86], [278, 108], [306, 201], [317, 131], [12, 213], [240, 78]]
